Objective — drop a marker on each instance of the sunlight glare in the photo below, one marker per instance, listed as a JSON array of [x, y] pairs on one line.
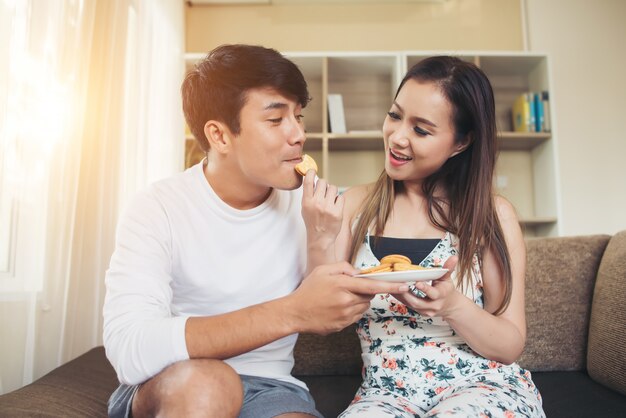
[[40, 104]]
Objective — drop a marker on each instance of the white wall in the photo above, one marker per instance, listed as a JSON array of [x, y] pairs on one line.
[[587, 44]]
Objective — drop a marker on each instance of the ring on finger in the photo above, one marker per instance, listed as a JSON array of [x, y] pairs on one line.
[[416, 292]]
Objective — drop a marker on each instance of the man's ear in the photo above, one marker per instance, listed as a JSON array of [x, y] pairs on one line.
[[218, 135], [462, 146]]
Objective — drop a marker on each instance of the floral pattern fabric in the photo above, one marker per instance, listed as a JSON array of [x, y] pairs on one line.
[[415, 366]]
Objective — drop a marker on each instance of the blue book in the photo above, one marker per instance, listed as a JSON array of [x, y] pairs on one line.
[[539, 119]]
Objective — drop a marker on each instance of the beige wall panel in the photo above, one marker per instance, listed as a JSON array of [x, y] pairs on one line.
[[13, 327], [351, 168], [514, 181], [453, 25], [585, 41]]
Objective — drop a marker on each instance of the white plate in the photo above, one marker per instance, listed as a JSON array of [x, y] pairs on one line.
[[406, 276]]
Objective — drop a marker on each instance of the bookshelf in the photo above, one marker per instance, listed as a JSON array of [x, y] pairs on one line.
[[367, 81]]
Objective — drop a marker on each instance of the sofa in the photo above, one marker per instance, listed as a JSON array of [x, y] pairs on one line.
[[576, 344]]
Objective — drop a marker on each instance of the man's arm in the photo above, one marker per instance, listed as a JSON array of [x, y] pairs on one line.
[[142, 337], [327, 301]]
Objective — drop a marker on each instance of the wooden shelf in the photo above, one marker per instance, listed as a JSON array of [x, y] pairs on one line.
[[193, 152], [365, 141], [314, 135], [537, 221], [313, 142], [368, 81], [358, 135], [373, 140], [524, 141]]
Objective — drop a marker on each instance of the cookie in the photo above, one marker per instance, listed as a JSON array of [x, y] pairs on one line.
[[395, 258], [406, 266], [306, 164], [382, 268]]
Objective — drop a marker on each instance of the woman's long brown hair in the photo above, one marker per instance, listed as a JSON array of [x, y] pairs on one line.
[[467, 206]]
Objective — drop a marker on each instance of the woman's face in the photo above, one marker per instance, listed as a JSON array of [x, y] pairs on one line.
[[418, 132]]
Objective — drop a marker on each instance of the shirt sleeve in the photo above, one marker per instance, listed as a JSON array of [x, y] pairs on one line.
[[141, 336]]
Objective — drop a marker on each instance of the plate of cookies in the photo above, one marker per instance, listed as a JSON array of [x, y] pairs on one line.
[[398, 268]]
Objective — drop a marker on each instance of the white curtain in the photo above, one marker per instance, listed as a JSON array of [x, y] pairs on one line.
[[90, 113]]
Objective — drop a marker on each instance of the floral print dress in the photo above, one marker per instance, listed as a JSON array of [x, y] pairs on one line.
[[415, 366]]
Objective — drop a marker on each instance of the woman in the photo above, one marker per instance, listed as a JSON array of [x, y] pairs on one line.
[[449, 347]]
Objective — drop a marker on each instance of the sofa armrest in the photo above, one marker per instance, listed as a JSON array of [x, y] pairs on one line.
[[79, 388], [560, 276], [606, 356]]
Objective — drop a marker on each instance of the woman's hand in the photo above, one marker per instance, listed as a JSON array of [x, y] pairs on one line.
[[441, 298], [322, 211]]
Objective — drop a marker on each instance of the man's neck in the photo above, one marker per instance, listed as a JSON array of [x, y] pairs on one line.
[[234, 190]]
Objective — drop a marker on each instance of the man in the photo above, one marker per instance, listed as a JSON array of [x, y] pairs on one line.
[[204, 295]]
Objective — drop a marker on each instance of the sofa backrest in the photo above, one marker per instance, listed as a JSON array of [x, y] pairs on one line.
[[560, 276], [606, 355]]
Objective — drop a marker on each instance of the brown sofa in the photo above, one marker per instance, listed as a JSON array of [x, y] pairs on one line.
[[576, 347]]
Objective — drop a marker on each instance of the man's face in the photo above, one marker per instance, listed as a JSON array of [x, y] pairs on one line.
[[270, 141]]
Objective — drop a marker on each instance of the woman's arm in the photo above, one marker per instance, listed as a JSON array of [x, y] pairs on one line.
[[328, 218], [322, 211], [502, 337], [509, 328]]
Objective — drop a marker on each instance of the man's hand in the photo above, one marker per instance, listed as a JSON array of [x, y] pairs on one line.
[[330, 299]]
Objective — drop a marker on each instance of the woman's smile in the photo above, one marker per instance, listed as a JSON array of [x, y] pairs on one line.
[[397, 159]]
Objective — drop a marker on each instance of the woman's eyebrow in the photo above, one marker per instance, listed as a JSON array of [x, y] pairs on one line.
[[415, 118]]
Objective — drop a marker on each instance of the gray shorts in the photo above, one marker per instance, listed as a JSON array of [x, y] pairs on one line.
[[262, 398]]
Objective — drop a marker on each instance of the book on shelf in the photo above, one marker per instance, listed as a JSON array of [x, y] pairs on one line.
[[545, 100], [521, 114], [336, 117], [538, 108], [530, 112]]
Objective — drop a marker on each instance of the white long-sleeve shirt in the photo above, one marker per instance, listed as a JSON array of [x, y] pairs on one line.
[[181, 252]]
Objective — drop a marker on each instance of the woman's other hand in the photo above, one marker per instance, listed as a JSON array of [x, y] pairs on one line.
[[440, 298]]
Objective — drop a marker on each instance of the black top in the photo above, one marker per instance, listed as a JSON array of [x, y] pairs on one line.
[[417, 249]]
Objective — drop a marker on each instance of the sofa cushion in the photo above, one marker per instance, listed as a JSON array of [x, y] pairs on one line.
[[565, 395], [606, 356], [560, 276], [80, 388], [332, 394], [575, 394]]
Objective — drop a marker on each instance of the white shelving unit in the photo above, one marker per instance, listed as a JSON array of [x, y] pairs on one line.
[[367, 81]]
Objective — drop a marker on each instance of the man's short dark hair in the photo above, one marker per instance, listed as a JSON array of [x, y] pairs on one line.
[[216, 88]]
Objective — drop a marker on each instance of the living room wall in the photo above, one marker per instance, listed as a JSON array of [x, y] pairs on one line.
[[585, 41], [581, 38], [449, 25]]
